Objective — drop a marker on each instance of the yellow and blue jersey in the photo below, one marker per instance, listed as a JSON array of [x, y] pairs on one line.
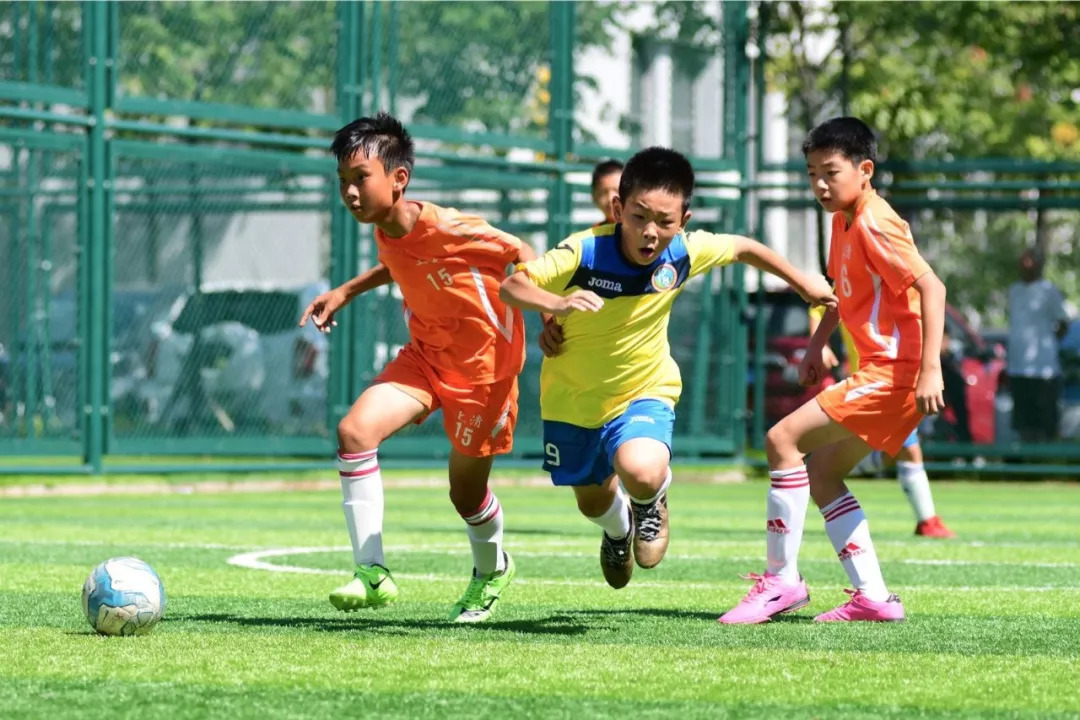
[[620, 354]]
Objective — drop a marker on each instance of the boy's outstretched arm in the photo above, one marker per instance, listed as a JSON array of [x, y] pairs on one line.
[[520, 291], [814, 290], [322, 309], [930, 389]]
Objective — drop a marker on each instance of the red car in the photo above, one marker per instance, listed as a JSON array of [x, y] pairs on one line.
[[787, 329]]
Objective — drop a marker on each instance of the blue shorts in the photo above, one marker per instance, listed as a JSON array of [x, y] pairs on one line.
[[586, 456], [912, 439]]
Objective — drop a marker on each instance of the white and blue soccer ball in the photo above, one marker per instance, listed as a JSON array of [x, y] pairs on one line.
[[123, 596]]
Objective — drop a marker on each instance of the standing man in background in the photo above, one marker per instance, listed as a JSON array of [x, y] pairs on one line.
[[1037, 322]]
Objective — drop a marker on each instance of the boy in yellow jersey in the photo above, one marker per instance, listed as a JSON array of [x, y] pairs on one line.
[[910, 471], [608, 396]]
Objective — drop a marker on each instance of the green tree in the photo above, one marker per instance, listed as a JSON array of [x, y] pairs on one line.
[[485, 64], [945, 81]]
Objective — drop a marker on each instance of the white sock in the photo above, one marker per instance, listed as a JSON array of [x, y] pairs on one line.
[[785, 518], [485, 528], [916, 485], [362, 493], [846, 526], [663, 489], [616, 520]]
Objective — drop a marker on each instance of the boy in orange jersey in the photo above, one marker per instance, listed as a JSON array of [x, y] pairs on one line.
[[893, 305], [465, 351]]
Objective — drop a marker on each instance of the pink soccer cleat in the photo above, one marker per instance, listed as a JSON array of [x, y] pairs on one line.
[[768, 597], [862, 609]]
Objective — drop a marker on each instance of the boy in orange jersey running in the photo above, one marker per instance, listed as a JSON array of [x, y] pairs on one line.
[[894, 307], [465, 351]]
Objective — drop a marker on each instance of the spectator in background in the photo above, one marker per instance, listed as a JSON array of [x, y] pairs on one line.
[[605, 187], [1037, 322], [955, 388]]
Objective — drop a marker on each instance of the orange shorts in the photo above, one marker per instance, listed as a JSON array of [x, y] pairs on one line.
[[873, 409], [479, 419]]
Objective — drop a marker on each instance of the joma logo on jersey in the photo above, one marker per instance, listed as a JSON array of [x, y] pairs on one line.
[[605, 284]]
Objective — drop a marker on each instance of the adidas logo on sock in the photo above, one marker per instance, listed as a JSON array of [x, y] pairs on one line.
[[776, 525], [850, 550]]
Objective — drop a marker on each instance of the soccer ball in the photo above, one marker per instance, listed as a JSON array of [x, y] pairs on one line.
[[123, 596]]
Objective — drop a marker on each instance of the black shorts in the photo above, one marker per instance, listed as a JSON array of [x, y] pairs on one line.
[[1036, 405]]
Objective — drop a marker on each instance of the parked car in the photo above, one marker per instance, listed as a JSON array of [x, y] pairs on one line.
[[787, 329], [787, 335], [57, 360], [234, 360]]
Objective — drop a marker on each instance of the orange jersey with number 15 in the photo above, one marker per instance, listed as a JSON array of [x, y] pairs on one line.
[[449, 268], [874, 264]]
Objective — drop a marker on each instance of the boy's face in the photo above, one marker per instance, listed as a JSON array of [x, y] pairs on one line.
[[650, 220], [837, 182], [605, 192], [367, 190]]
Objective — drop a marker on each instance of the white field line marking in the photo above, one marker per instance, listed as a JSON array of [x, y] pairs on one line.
[[441, 549], [254, 561], [120, 543], [916, 561], [585, 546]]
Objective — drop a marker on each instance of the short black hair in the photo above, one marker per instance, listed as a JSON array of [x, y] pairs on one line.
[[603, 169], [382, 136], [848, 136], [658, 168]]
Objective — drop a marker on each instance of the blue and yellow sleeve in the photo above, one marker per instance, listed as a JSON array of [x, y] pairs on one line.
[[708, 250], [553, 270]]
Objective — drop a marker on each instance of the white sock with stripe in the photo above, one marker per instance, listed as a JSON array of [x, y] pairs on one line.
[[916, 485], [846, 526], [485, 528], [785, 518], [616, 520], [362, 493]]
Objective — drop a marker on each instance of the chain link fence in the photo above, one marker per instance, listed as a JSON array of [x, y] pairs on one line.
[[167, 209]]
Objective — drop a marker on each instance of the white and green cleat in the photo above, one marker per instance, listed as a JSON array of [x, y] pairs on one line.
[[480, 598], [372, 586]]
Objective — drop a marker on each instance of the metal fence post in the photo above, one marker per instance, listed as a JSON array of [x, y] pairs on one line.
[[96, 409], [737, 131], [342, 226], [561, 113]]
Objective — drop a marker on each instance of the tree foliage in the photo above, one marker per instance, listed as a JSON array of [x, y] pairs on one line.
[[945, 81]]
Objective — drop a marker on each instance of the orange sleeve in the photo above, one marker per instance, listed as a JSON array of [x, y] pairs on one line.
[[473, 228], [891, 250]]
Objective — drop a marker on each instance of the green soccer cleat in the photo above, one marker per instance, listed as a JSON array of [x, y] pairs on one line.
[[372, 586], [480, 598]]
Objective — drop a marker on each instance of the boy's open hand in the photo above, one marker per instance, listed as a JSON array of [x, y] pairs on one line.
[[322, 309], [551, 338], [583, 300]]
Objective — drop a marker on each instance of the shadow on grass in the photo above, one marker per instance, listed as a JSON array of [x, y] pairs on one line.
[[554, 625]]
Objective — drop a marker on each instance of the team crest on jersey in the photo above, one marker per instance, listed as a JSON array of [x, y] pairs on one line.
[[664, 277]]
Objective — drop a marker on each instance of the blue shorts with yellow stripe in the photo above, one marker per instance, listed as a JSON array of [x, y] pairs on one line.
[[574, 455]]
